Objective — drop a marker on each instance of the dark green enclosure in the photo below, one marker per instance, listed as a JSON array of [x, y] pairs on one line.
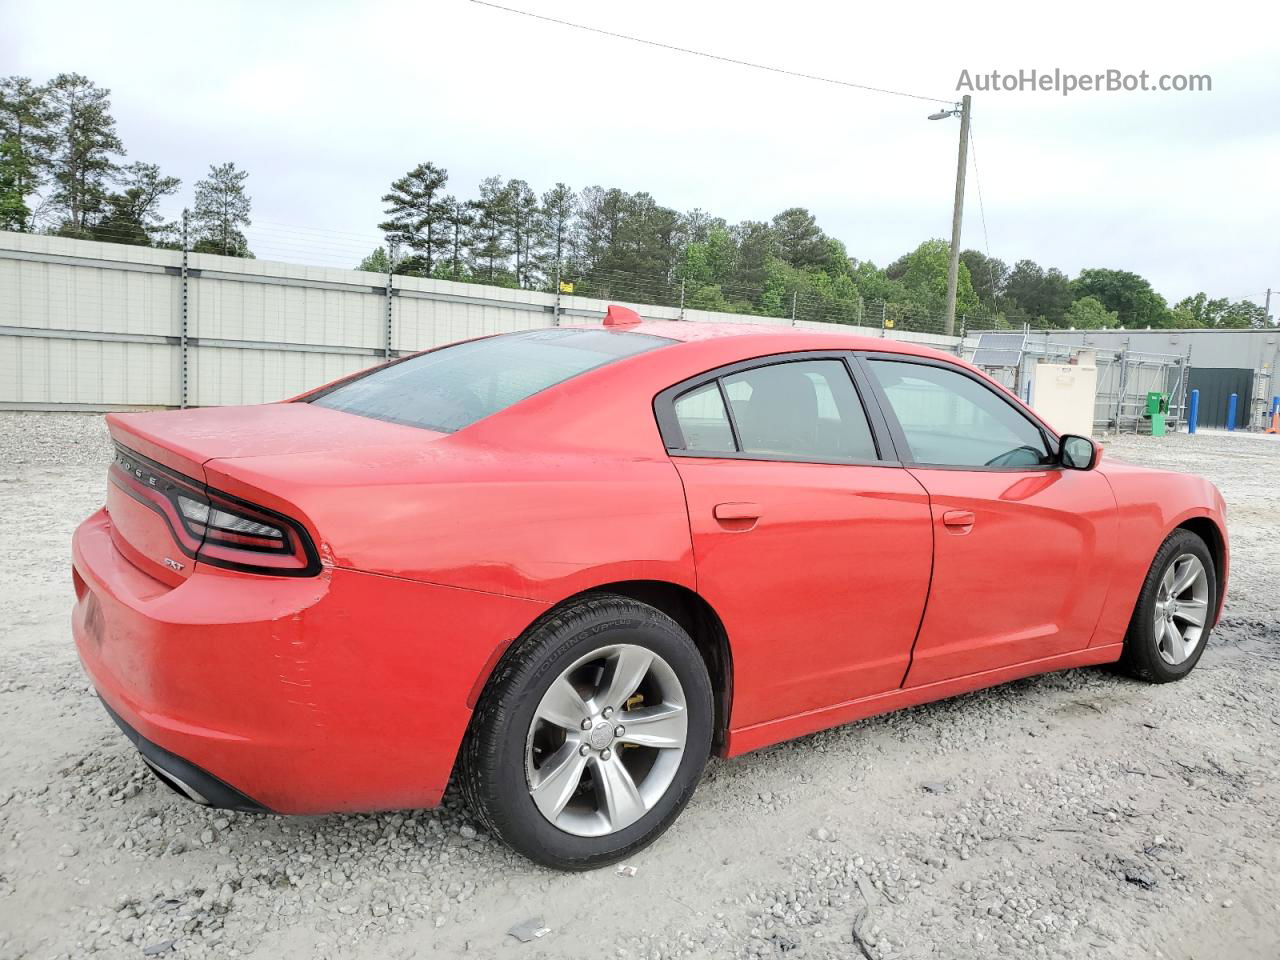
[[1216, 384]]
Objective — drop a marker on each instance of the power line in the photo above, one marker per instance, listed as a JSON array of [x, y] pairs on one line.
[[982, 211], [711, 56]]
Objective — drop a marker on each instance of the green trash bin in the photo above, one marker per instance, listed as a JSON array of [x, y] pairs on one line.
[[1157, 408]]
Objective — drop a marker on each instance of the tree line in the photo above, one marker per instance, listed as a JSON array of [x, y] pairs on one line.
[[62, 172], [611, 243]]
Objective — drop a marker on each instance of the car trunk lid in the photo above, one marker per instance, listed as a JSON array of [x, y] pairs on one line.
[[160, 458]]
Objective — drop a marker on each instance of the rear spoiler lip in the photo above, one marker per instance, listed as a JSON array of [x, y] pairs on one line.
[[313, 565], [128, 430]]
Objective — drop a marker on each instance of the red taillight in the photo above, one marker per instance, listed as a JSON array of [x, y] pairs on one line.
[[214, 527]]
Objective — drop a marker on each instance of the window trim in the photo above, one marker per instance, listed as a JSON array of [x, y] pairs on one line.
[[862, 360], [673, 436]]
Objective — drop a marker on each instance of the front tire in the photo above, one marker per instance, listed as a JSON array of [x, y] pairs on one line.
[[1174, 614], [592, 734]]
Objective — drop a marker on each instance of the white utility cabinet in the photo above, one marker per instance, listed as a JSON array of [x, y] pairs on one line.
[[1063, 394]]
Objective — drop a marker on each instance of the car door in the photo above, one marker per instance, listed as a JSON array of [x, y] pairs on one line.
[[1022, 546], [812, 546]]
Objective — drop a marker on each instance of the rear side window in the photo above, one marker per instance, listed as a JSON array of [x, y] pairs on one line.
[[797, 410], [704, 421], [453, 387]]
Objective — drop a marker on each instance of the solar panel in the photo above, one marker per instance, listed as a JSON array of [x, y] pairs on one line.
[[999, 349]]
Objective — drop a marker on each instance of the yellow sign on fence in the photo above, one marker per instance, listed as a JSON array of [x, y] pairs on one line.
[[566, 286]]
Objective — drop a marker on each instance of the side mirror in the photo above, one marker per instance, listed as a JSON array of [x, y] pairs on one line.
[[1078, 453]]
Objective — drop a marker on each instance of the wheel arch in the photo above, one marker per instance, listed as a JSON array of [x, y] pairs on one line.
[[683, 605], [1207, 529], [698, 619]]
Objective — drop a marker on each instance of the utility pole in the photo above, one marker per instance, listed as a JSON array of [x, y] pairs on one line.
[[953, 268], [1267, 309]]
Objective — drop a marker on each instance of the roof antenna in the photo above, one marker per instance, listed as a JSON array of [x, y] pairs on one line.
[[619, 316]]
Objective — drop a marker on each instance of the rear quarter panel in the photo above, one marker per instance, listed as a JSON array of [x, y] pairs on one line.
[[1152, 503], [542, 526]]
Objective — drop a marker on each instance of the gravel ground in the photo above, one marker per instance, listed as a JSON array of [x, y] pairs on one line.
[[1076, 814]]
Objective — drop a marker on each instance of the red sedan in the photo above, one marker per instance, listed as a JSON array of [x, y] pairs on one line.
[[566, 565]]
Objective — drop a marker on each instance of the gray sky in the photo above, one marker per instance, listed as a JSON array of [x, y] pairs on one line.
[[324, 103]]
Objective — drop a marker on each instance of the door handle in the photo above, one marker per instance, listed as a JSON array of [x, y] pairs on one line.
[[737, 511], [961, 521]]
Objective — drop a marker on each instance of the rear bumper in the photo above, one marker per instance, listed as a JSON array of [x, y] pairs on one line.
[[183, 776], [342, 692]]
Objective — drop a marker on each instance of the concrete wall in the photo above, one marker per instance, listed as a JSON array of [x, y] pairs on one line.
[[87, 325]]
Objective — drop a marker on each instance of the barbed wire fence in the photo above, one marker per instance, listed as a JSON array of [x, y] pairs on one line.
[[110, 320], [300, 245]]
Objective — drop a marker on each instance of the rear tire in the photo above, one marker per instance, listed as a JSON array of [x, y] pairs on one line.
[[591, 735], [1165, 641]]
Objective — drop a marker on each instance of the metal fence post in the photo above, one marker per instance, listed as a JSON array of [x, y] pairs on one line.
[[555, 311], [391, 273], [794, 294], [1122, 383], [183, 388], [682, 299], [884, 318], [1179, 396]]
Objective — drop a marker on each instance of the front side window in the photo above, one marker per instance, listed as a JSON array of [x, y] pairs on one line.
[[797, 410], [952, 420], [453, 387]]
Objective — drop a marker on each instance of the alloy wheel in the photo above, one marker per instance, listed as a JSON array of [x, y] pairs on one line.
[[1181, 608], [606, 740]]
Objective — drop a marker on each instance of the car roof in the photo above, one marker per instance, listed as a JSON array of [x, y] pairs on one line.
[[686, 330], [774, 338], [611, 407]]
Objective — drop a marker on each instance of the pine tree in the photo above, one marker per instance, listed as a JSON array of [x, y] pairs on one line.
[[600, 219], [801, 243], [14, 173], [525, 227], [221, 209], [415, 213], [490, 241], [647, 239], [26, 121], [458, 217], [132, 214], [757, 245], [559, 206], [85, 144]]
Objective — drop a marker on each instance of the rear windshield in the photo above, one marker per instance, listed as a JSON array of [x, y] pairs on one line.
[[453, 387]]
